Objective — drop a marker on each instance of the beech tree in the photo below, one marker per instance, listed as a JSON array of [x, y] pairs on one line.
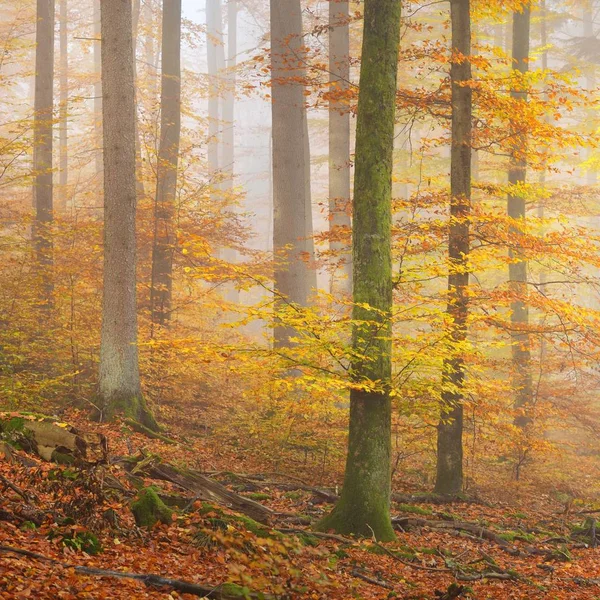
[[168, 155], [364, 504], [517, 267], [98, 97], [42, 146], [450, 428], [339, 144], [64, 108], [292, 214], [119, 379], [228, 154]]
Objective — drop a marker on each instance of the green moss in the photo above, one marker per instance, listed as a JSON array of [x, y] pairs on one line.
[[293, 495], [132, 407], [308, 540], [233, 590], [519, 515], [149, 509], [84, 541], [416, 510], [258, 496], [62, 458], [511, 536], [256, 528]]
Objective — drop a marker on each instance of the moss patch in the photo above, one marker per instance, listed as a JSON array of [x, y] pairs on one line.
[[149, 509]]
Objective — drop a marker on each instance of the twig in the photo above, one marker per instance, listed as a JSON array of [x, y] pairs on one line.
[[372, 580], [15, 489]]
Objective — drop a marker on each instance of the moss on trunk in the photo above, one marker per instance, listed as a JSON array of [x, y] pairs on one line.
[[364, 505], [133, 408], [149, 509]]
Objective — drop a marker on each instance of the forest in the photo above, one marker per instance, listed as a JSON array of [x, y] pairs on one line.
[[300, 299]]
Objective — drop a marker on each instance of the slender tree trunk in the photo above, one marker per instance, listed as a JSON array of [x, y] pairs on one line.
[[449, 441], [339, 145], [98, 99], [309, 241], [119, 380], [364, 505], [42, 145], [291, 204], [64, 107], [168, 156], [216, 62], [517, 270], [228, 153], [590, 83]]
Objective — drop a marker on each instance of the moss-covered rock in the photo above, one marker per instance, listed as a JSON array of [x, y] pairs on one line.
[[148, 509]]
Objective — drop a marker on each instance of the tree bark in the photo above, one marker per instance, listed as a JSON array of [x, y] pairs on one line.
[[449, 440], [228, 154], [168, 156], [42, 147], [64, 107], [119, 379], [292, 214], [216, 62], [517, 269], [340, 225], [99, 161], [590, 84], [364, 504], [141, 191]]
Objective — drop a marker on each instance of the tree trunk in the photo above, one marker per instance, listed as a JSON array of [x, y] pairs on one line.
[[339, 146], [517, 269], [291, 202], [141, 192], [215, 61], [228, 154], [449, 441], [98, 101], [64, 108], [168, 155], [119, 380], [590, 84], [364, 505], [42, 146]]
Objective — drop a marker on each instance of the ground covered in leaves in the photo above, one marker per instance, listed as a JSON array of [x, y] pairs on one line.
[[62, 526]]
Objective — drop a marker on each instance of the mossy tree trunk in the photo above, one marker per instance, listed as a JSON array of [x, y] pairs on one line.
[[119, 378], [364, 505], [449, 439], [517, 268]]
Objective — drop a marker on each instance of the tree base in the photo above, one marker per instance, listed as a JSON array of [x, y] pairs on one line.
[[349, 519], [132, 407]]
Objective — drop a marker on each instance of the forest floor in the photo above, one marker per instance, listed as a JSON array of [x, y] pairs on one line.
[[531, 547]]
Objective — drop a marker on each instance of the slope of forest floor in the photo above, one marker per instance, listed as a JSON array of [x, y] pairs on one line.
[[60, 524]]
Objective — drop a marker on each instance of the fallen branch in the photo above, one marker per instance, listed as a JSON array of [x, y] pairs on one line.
[[15, 489], [218, 592], [371, 580], [201, 486]]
